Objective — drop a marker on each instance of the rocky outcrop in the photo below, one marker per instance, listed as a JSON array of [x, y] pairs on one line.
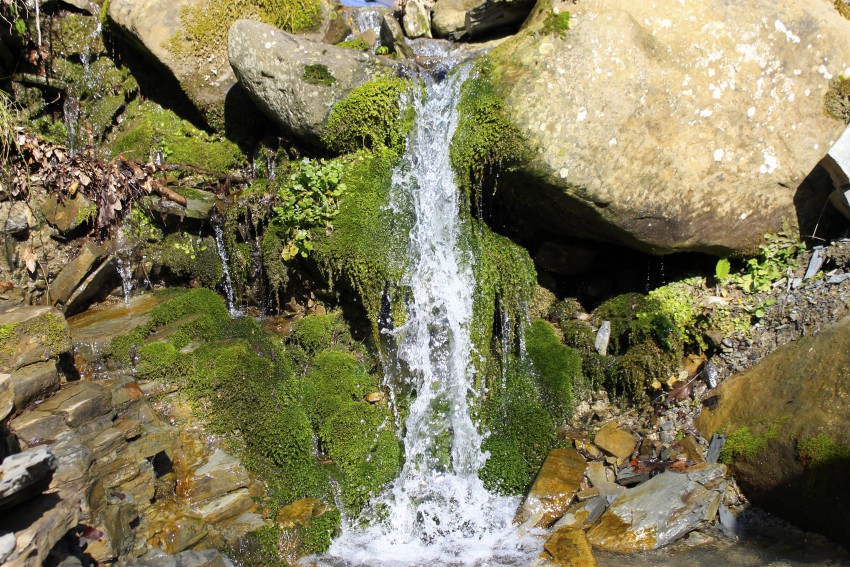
[[296, 81], [788, 426], [553, 489], [661, 510], [31, 334], [469, 19], [668, 127]]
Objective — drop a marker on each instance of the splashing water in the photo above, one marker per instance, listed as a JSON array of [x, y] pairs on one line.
[[437, 512], [225, 263]]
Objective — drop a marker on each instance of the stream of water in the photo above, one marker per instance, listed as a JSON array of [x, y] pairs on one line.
[[437, 512]]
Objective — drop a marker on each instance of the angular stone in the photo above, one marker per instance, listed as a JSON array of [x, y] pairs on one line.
[[25, 475], [75, 272], [616, 442], [583, 514], [32, 381], [70, 213], [416, 20], [7, 396], [219, 475], [553, 489], [15, 217], [661, 510], [392, 36], [224, 507], [270, 65], [117, 522], [37, 527], [72, 463], [79, 403], [30, 334], [569, 548], [94, 287], [181, 533], [448, 17], [143, 486], [301, 512], [597, 474], [36, 427], [7, 546], [198, 206], [205, 558], [131, 428], [107, 441]]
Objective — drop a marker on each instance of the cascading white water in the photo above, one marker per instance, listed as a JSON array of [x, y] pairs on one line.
[[225, 264], [437, 512]]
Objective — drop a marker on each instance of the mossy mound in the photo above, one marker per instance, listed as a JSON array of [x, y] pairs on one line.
[[372, 115], [150, 130], [189, 256], [557, 368], [837, 98]]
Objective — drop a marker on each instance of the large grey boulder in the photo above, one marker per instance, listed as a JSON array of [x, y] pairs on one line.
[[661, 510], [296, 81], [669, 126]]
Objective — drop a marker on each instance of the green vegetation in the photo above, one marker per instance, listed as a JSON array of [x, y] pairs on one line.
[[485, 141], [307, 201], [149, 128], [521, 431], [318, 74], [743, 443], [556, 23], [188, 256], [776, 256], [371, 115], [557, 368], [49, 332], [357, 44], [837, 98], [821, 450]]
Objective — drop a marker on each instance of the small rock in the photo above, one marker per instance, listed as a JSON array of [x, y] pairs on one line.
[[32, 381], [598, 476], [583, 514], [376, 397], [417, 19], [300, 512], [79, 403], [36, 427], [75, 272], [616, 442], [218, 476], [7, 545], [393, 38], [224, 507], [553, 489], [569, 547], [7, 396], [71, 213], [15, 217], [714, 448], [35, 334], [603, 335], [37, 527], [205, 558]]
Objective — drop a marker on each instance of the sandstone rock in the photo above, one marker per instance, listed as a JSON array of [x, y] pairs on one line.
[[300, 512], [416, 20], [153, 440], [107, 441], [725, 122], [150, 25], [583, 514], [15, 217], [36, 427], [661, 510], [31, 334], [32, 381], [553, 488], [392, 36], [141, 487], [75, 272], [94, 287], [793, 397], [569, 548], [68, 214], [7, 396], [79, 403], [37, 527], [218, 476], [271, 65], [615, 441], [598, 476], [25, 475], [224, 507], [181, 533]]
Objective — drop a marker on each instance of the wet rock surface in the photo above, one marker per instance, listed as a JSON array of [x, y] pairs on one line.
[[554, 488]]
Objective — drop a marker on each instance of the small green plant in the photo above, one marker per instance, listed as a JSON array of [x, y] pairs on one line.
[[837, 98], [821, 450], [382, 50], [308, 200], [722, 269], [556, 23], [777, 256], [758, 310], [358, 44], [743, 443], [318, 74]]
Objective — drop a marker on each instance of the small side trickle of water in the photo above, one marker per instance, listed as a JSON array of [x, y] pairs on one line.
[[437, 512], [71, 115], [225, 263]]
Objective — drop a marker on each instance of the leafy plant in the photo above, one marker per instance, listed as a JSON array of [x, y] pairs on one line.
[[318, 75], [776, 257], [721, 270], [556, 22], [758, 310], [308, 200]]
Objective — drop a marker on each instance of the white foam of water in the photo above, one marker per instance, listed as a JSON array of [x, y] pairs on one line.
[[225, 264]]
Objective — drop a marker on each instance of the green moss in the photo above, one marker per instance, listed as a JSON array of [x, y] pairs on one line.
[[316, 536], [315, 333], [260, 548], [557, 368], [360, 439], [149, 129], [557, 23], [335, 379], [521, 431], [743, 443], [158, 361], [635, 370], [371, 115], [621, 311], [48, 332], [837, 98], [188, 256], [358, 44], [821, 450], [318, 74], [485, 141]]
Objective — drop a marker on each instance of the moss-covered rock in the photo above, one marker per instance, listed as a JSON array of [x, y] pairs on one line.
[[31, 334], [189, 256], [557, 368]]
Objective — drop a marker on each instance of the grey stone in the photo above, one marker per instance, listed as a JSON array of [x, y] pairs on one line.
[[661, 510], [205, 558], [7, 395], [75, 272], [416, 19], [219, 475], [95, 286], [36, 426], [25, 475], [270, 64], [37, 527], [72, 463], [448, 17], [32, 381], [598, 476], [638, 170], [837, 164], [603, 335], [79, 403], [583, 514], [224, 507], [15, 217], [7, 545], [393, 38]]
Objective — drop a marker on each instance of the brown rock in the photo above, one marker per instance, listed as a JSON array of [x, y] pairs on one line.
[[218, 476], [75, 272], [554, 488], [7, 395], [179, 534], [569, 548], [32, 381], [224, 507], [70, 213], [616, 442], [79, 403], [300, 512], [37, 527], [35, 427], [154, 440], [31, 334]]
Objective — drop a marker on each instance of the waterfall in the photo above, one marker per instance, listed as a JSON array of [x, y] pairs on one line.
[[225, 264], [437, 511]]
